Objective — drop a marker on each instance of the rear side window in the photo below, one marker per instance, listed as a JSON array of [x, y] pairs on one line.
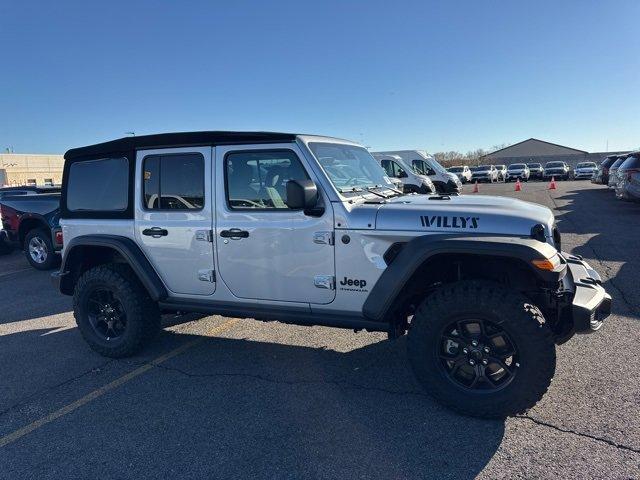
[[631, 162], [98, 185], [173, 182]]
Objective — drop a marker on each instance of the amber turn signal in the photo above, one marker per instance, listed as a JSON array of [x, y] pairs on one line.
[[545, 264]]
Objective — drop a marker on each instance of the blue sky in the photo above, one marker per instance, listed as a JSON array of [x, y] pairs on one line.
[[450, 75]]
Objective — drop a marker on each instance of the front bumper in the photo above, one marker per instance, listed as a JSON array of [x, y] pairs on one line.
[[583, 175], [590, 304]]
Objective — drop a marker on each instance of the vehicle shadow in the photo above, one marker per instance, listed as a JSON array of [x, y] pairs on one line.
[[243, 408], [613, 230], [28, 295]]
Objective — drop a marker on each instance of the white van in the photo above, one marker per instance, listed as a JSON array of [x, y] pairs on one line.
[[417, 170]]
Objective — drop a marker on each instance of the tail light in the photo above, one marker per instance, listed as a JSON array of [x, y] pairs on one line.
[[59, 237]]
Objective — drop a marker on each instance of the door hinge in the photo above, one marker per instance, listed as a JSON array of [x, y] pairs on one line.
[[323, 238], [207, 276], [325, 281], [204, 235]]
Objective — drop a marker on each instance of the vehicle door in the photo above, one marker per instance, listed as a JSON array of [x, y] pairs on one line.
[[174, 217], [266, 250]]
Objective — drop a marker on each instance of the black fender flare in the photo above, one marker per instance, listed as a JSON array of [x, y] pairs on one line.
[[126, 248], [419, 250]]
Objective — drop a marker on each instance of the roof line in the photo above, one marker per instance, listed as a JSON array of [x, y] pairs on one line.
[[537, 140]]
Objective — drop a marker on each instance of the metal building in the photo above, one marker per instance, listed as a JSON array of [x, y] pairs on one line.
[[539, 151]]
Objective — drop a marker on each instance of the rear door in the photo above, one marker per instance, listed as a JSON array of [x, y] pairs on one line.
[[174, 217]]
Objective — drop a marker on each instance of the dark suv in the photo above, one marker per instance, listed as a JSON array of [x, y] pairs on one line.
[[602, 173]]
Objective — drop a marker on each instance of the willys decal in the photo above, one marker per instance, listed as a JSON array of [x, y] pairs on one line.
[[443, 221]]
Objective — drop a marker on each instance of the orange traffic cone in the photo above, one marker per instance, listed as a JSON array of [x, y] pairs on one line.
[[475, 187], [552, 185], [518, 186]]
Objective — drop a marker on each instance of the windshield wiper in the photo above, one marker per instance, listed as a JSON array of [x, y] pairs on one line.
[[371, 190]]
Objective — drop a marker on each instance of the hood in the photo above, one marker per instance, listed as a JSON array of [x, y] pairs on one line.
[[464, 213], [452, 176]]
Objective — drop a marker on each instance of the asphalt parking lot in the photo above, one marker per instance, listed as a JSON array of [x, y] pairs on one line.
[[224, 398]]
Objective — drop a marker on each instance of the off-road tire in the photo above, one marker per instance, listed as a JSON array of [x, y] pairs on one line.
[[142, 313], [43, 238], [506, 308]]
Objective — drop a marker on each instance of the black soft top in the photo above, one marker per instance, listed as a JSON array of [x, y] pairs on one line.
[[179, 139]]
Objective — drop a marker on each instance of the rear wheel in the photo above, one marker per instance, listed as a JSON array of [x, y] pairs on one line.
[[481, 349], [114, 313], [38, 249]]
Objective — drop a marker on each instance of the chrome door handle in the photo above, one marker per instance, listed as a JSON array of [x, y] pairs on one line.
[[234, 233], [155, 232]]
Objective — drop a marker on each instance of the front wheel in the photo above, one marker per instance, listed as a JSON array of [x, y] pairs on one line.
[[482, 349]]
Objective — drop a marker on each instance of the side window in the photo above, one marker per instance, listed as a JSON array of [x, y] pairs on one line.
[[173, 181], [258, 179], [388, 167], [98, 185], [397, 170], [419, 167]]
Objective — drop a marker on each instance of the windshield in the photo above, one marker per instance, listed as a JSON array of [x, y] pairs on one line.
[[481, 168], [586, 165], [456, 169], [534, 165], [349, 167], [517, 166], [554, 165]]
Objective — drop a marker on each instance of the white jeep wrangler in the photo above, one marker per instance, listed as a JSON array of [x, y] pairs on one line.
[[307, 230]]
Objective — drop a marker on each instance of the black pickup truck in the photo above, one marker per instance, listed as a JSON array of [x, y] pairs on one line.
[[31, 222]]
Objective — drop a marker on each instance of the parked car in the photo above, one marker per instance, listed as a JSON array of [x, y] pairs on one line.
[[462, 171], [502, 172], [479, 284], [601, 175], [627, 187], [419, 166], [535, 171], [584, 170], [613, 171], [484, 173], [557, 170], [31, 222], [518, 171]]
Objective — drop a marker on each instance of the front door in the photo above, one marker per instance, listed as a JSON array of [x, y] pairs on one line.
[[174, 217], [267, 251]]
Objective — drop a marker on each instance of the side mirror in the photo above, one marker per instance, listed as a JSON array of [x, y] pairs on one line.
[[303, 195]]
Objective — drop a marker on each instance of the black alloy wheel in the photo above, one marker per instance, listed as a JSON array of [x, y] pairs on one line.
[[106, 314], [477, 354]]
